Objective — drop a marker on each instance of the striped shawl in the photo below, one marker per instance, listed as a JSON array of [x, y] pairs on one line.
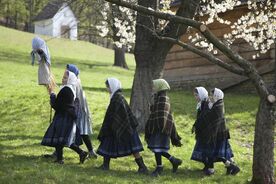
[[161, 119], [119, 121]]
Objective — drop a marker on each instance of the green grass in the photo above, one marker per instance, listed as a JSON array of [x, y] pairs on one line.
[[24, 117]]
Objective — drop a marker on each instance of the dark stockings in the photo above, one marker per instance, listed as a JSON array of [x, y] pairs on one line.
[[158, 157], [87, 142], [59, 151]]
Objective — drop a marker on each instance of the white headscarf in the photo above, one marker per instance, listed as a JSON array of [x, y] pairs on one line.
[[71, 82], [217, 95], [38, 43], [202, 94], [114, 85]]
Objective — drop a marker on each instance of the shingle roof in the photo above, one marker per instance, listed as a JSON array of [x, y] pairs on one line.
[[49, 10]]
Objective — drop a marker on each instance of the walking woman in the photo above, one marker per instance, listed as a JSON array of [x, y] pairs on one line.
[[160, 128], [217, 134], [83, 116], [83, 120], [212, 132], [201, 96], [63, 130], [118, 135]]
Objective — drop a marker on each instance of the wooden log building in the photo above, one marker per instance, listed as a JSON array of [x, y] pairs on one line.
[[185, 70]]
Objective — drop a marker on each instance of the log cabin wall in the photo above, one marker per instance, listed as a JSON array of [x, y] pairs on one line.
[[185, 70]]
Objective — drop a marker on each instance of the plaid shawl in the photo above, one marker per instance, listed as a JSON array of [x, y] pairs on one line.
[[119, 121], [161, 119], [210, 125]]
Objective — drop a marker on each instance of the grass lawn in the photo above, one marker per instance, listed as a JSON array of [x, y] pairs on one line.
[[24, 118]]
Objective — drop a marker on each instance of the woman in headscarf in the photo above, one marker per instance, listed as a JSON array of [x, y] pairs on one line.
[[63, 131], [212, 136], [41, 50], [201, 96], [118, 135], [216, 135], [83, 116], [160, 127]]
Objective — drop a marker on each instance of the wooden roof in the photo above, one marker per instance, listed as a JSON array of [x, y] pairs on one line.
[[49, 11]]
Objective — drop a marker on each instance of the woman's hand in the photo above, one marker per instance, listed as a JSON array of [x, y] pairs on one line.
[[50, 90]]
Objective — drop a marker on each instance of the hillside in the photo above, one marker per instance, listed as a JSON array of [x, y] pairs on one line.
[[24, 117]]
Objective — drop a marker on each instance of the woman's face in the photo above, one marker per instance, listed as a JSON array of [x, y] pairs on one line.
[[65, 78], [211, 97], [196, 96], [39, 51], [108, 89]]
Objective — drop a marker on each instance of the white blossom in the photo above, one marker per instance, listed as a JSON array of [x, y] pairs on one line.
[[257, 27]]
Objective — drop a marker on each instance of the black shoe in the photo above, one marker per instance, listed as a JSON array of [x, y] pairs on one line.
[[92, 154], [232, 169], [59, 162], [105, 165], [142, 167], [157, 172], [83, 156], [175, 163]]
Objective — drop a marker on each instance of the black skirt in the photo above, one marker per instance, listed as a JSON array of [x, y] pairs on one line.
[[203, 151], [62, 132], [110, 147], [159, 143]]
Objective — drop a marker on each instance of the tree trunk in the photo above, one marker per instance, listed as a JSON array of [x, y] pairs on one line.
[[15, 20], [263, 161], [149, 66], [30, 27], [119, 59], [150, 55]]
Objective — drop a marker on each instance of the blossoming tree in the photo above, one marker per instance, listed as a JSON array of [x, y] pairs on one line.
[[154, 38], [119, 24]]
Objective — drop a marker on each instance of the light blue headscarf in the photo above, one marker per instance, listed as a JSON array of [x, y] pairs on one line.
[[38, 43]]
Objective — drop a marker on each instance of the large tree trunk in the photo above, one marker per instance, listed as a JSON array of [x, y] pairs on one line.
[[120, 59], [263, 161], [149, 65], [150, 55]]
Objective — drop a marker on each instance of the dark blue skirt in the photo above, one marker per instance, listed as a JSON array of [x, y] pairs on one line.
[[62, 132], [221, 149], [159, 143], [110, 147]]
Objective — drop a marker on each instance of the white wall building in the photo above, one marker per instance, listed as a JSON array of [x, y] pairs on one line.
[[57, 20]]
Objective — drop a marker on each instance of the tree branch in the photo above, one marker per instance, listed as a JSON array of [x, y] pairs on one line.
[[249, 68], [150, 11], [210, 57], [187, 9], [206, 55]]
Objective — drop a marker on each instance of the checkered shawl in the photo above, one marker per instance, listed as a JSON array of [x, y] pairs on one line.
[[119, 121], [211, 126], [161, 119]]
